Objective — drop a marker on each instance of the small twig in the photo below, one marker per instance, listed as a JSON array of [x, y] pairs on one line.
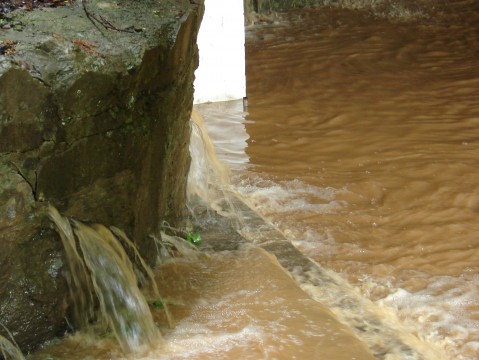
[[84, 3], [88, 14], [109, 25], [102, 21]]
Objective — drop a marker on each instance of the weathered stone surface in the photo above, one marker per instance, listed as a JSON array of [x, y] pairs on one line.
[[261, 6], [94, 121]]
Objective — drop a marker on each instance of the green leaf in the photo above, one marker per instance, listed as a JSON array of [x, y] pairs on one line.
[[158, 304], [194, 238]]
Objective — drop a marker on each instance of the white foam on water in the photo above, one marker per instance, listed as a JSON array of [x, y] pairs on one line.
[[387, 113], [438, 313], [294, 197], [289, 196], [193, 340]]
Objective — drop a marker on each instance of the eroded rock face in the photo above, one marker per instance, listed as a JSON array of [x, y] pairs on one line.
[[94, 121]]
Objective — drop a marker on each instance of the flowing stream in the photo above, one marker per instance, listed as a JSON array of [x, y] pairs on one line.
[[360, 147], [361, 144]]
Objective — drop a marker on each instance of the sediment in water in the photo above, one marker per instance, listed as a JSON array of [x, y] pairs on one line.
[[381, 333], [235, 303], [249, 293], [382, 336], [104, 286]]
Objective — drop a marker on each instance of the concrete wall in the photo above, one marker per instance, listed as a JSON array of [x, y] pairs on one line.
[[221, 72]]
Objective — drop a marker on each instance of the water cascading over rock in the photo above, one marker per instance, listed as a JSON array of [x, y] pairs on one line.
[[102, 273], [9, 349]]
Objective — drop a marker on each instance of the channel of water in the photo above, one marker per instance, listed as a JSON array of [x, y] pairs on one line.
[[358, 155]]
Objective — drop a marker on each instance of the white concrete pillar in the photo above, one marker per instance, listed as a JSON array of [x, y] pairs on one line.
[[221, 72]]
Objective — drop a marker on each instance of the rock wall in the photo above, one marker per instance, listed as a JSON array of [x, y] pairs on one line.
[[262, 6], [94, 119]]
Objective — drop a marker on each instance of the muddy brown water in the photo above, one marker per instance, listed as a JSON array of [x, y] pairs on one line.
[[360, 144]]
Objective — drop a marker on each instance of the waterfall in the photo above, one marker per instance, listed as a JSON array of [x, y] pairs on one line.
[[102, 281], [9, 350], [101, 273], [208, 178]]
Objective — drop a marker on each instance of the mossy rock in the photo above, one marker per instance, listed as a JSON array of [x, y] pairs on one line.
[[94, 121]]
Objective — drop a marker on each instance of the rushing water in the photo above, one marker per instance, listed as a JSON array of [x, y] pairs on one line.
[[361, 144], [104, 269]]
